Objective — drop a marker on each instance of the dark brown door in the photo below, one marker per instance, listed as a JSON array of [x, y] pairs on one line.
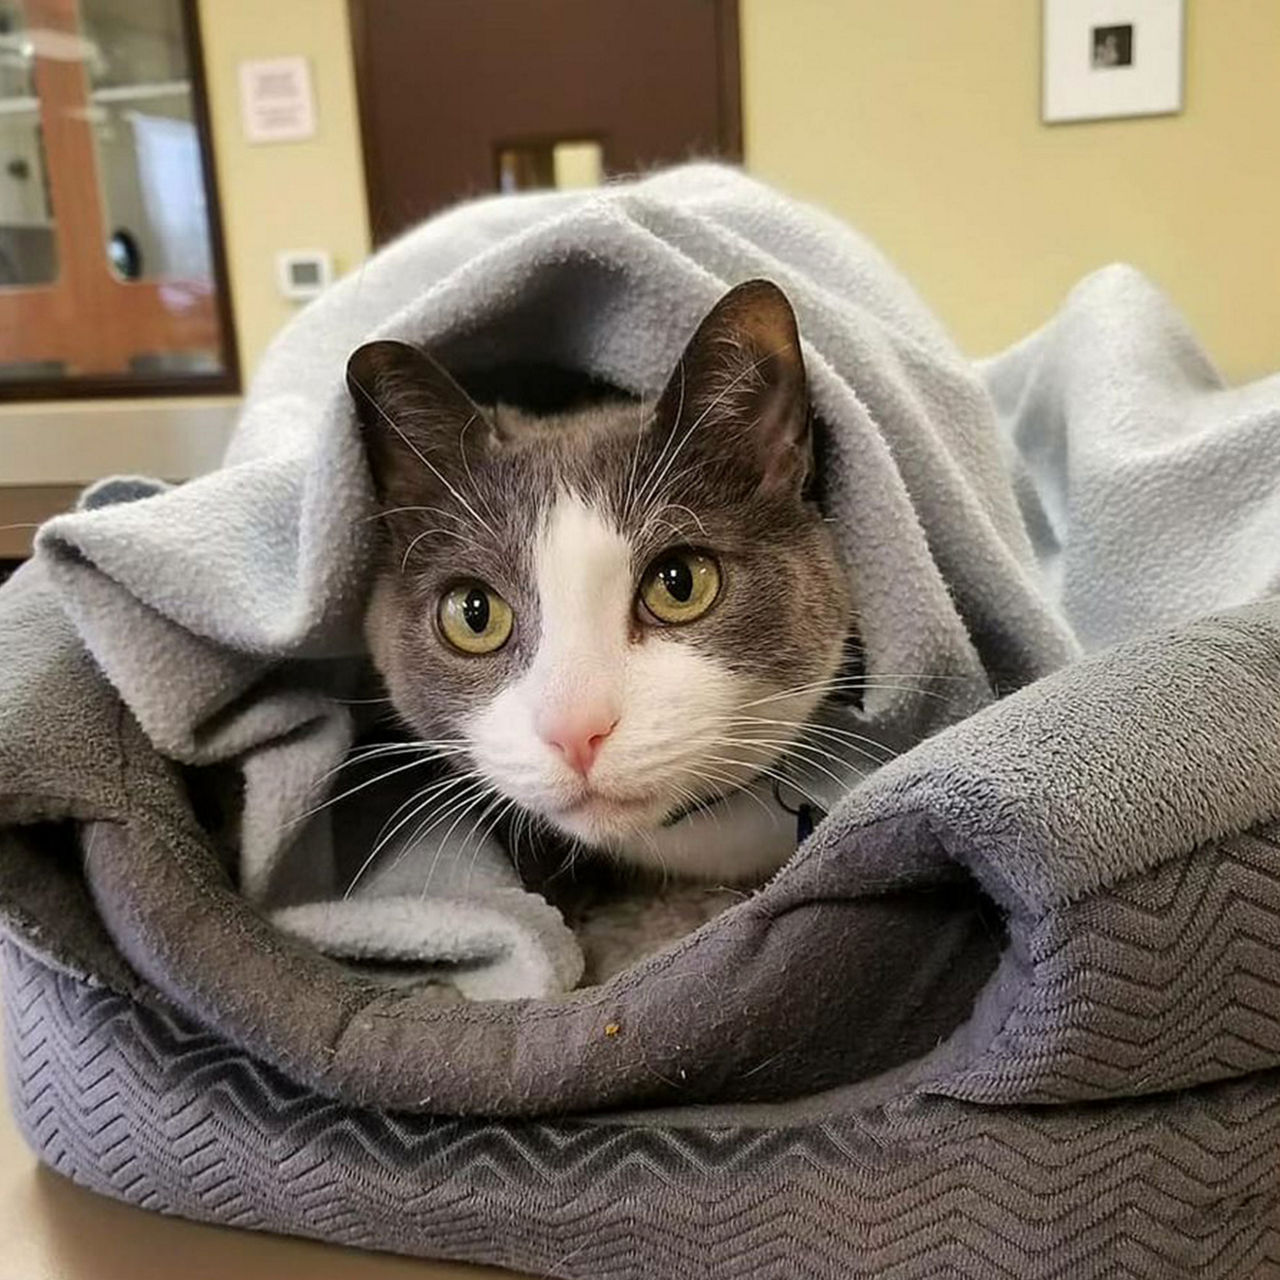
[[456, 95]]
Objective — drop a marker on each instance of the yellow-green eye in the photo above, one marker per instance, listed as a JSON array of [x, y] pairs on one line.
[[475, 618], [680, 586]]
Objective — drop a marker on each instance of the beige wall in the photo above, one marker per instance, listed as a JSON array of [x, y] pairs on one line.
[[918, 120], [297, 195]]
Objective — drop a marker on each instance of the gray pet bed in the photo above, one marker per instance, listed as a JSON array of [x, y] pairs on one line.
[[1102, 1098], [1014, 1009]]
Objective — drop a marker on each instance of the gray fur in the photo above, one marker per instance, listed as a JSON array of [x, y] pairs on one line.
[[722, 462]]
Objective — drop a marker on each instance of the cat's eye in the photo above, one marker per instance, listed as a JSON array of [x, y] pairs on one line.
[[679, 586], [474, 618]]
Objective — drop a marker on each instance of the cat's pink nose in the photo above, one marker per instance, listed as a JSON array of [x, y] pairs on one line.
[[578, 734]]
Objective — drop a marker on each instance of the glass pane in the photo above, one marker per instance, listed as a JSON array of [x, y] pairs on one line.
[[136, 44], [533, 165], [155, 221], [28, 252], [137, 299]]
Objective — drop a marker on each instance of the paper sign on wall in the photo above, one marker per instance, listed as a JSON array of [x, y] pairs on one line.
[[276, 103]]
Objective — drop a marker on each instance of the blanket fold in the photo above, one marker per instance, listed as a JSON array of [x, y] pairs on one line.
[[871, 949], [225, 611], [1056, 895]]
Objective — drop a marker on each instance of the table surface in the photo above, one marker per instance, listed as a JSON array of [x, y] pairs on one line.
[[51, 1229]]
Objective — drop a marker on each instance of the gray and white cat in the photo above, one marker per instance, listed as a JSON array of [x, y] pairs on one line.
[[621, 620]]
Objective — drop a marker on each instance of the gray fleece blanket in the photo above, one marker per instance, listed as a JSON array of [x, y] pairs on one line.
[[226, 612], [1127, 490]]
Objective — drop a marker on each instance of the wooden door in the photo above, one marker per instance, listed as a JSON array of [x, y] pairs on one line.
[[458, 95]]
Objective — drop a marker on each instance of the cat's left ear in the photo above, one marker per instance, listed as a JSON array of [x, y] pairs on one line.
[[740, 391]]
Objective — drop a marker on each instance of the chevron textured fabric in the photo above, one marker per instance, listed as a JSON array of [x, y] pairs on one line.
[[149, 1109]]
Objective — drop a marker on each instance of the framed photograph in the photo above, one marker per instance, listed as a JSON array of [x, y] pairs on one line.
[[1109, 58]]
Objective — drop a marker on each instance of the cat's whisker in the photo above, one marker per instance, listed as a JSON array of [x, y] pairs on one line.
[[666, 444], [368, 782], [849, 684], [676, 481], [504, 807], [446, 514], [868, 677], [466, 466], [680, 535], [691, 800], [652, 844], [444, 839], [761, 770], [641, 433], [672, 485], [417, 802], [735, 787], [720, 397], [451, 806], [784, 750], [571, 846], [513, 848], [437, 750], [787, 748], [475, 784], [444, 533], [391, 511], [495, 801], [433, 793], [816, 726], [413, 448], [693, 515], [799, 743], [845, 737], [413, 807], [424, 757], [498, 802], [807, 754]]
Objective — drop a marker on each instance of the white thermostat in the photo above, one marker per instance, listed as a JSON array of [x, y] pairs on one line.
[[303, 273]]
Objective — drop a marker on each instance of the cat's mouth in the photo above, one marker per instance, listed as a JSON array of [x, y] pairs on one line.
[[600, 801], [598, 815]]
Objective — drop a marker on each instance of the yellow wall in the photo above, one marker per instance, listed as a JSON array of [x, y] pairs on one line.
[[294, 195], [918, 120]]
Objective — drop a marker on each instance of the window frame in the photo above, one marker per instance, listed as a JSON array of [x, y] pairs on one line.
[[226, 381]]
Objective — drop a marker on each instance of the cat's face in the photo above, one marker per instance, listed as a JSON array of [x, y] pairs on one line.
[[618, 612]]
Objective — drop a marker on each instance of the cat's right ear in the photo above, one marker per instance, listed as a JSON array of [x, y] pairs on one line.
[[415, 420]]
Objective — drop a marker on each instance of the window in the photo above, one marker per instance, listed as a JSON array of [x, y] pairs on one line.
[[111, 271]]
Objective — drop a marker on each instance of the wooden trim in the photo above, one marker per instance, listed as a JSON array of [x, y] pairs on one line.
[[358, 20], [730, 81], [140, 320], [228, 381], [121, 386], [23, 509]]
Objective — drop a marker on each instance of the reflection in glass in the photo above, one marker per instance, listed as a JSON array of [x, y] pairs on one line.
[[148, 148]]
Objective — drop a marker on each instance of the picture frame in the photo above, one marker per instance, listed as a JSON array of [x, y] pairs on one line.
[[1108, 59]]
